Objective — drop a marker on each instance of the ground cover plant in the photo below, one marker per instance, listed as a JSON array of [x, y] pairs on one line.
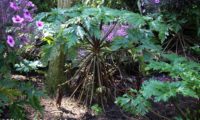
[[119, 59]]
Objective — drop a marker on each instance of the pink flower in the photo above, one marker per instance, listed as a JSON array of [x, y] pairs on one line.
[[28, 16], [157, 1], [14, 6], [118, 31], [30, 4], [10, 41], [110, 37], [17, 19], [39, 24]]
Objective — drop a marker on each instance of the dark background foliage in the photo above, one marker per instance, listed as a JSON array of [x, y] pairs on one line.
[[44, 5]]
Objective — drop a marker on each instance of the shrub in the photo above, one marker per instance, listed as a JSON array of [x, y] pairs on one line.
[[16, 28], [186, 83]]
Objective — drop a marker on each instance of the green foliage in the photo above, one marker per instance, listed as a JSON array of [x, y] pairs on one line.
[[117, 4], [27, 66], [15, 95], [164, 91], [161, 27], [130, 102], [180, 68], [64, 25], [44, 5], [97, 109], [196, 49], [185, 82], [80, 27]]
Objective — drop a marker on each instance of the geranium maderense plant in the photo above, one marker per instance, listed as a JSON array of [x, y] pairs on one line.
[[96, 32], [16, 28], [15, 19]]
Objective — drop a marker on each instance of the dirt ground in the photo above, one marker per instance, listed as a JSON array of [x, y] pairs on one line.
[[70, 109]]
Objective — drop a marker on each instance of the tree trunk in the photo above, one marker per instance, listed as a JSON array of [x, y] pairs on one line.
[[64, 3], [56, 75]]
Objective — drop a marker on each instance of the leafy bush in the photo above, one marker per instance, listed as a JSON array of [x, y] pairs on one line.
[[81, 27], [130, 102], [93, 30], [27, 66], [186, 82], [16, 28], [15, 95]]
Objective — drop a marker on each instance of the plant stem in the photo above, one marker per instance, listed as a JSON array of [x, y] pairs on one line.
[[179, 110]]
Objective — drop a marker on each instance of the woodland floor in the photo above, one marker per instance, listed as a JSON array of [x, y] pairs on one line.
[[70, 109]]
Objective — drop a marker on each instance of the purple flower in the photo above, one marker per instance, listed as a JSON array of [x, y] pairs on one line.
[[27, 15], [119, 30], [10, 41], [110, 37], [156, 1], [17, 19], [39, 24], [14, 6], [30, 4]]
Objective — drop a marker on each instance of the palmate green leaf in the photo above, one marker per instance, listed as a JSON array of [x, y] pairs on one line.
[[111, 15], [133, 18], [90, 18], [161, 28], [123, 100], [42, 16], [72, 39], [177, 67], [95, 31], [80, 32], [174, 58], [120, 42], [56, 15], [86, 22], [49, 53], [27, 66], [142, 105], [91, 11], [9, 95], [160, 91], [72, 22], [135, 105], [135, 35]]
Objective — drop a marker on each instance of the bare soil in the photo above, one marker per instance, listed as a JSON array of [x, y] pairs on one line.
[[70, 109]]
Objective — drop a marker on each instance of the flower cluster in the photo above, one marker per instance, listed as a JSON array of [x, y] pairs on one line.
[[16, 21], [156, 1], [118, 31]]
